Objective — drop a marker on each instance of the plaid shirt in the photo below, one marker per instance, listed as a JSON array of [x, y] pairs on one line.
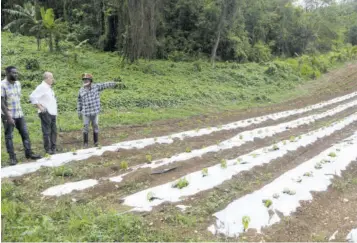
[[89, 99], [12, 95]]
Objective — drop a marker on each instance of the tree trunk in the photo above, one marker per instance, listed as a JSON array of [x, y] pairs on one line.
[[65, 16], [219, 30], [50, 39], [38, 43], [214, 50]]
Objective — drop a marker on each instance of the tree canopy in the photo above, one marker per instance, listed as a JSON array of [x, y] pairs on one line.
[[235, 30]]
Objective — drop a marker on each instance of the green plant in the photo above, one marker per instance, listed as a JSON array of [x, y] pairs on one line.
[[284, 142], [204, 172], [254, 155], [47, 156], [148, 158], [74, 151], [63, 171], [289, 191], [150, 196], [325, 161], [124, 165], [239, 160], [245, 222], [275, 147], [292, 139], [181, 183], [240, 137], [318, 166], [308, 174], [267, 203], [188, 150], [223, 163], [276, 195], [332, 154]]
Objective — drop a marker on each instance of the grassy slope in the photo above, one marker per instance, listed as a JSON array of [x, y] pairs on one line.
[[156, 89]]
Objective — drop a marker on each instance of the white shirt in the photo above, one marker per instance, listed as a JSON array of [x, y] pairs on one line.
[[45, 96]]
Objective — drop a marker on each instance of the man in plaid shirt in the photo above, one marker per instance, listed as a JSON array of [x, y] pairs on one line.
[[12, 115], [88, 105]]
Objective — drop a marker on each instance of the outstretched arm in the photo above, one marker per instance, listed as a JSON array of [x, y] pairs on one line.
[[106, 85]]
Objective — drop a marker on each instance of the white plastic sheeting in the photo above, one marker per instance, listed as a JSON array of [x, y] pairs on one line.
[[69, 187], [60, 159], [217, 175], [229, 220], [239, 139]]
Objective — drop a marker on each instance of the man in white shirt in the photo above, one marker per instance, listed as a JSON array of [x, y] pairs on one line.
[[44, 99]]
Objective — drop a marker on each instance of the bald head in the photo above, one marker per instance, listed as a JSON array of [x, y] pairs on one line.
[[48, 78]]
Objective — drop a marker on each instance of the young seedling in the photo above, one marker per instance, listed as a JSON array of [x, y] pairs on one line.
[[148, 158], [284, 142], [254, 155], [276, 195], [124, 165], [150, 196], [267, 203], [318, 166], [275, 147], [47, 156], [223, 164], [289, 191], [298, 180], [204, 172], [63, 171], [308, 174], [188, 150], [292, 139], [74, 151], [325, 161], [332, 154], [245, 222], [239, 160], [155, 139], [299, 137], [181, 183], [240, 137]]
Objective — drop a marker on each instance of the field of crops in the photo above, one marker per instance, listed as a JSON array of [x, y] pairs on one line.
[[289, 175]]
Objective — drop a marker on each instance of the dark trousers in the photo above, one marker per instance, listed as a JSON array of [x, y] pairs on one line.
[[20, 125], [49, 131]]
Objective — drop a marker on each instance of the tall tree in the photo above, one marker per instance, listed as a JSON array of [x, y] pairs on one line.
[[228, 13], [25, 20]]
